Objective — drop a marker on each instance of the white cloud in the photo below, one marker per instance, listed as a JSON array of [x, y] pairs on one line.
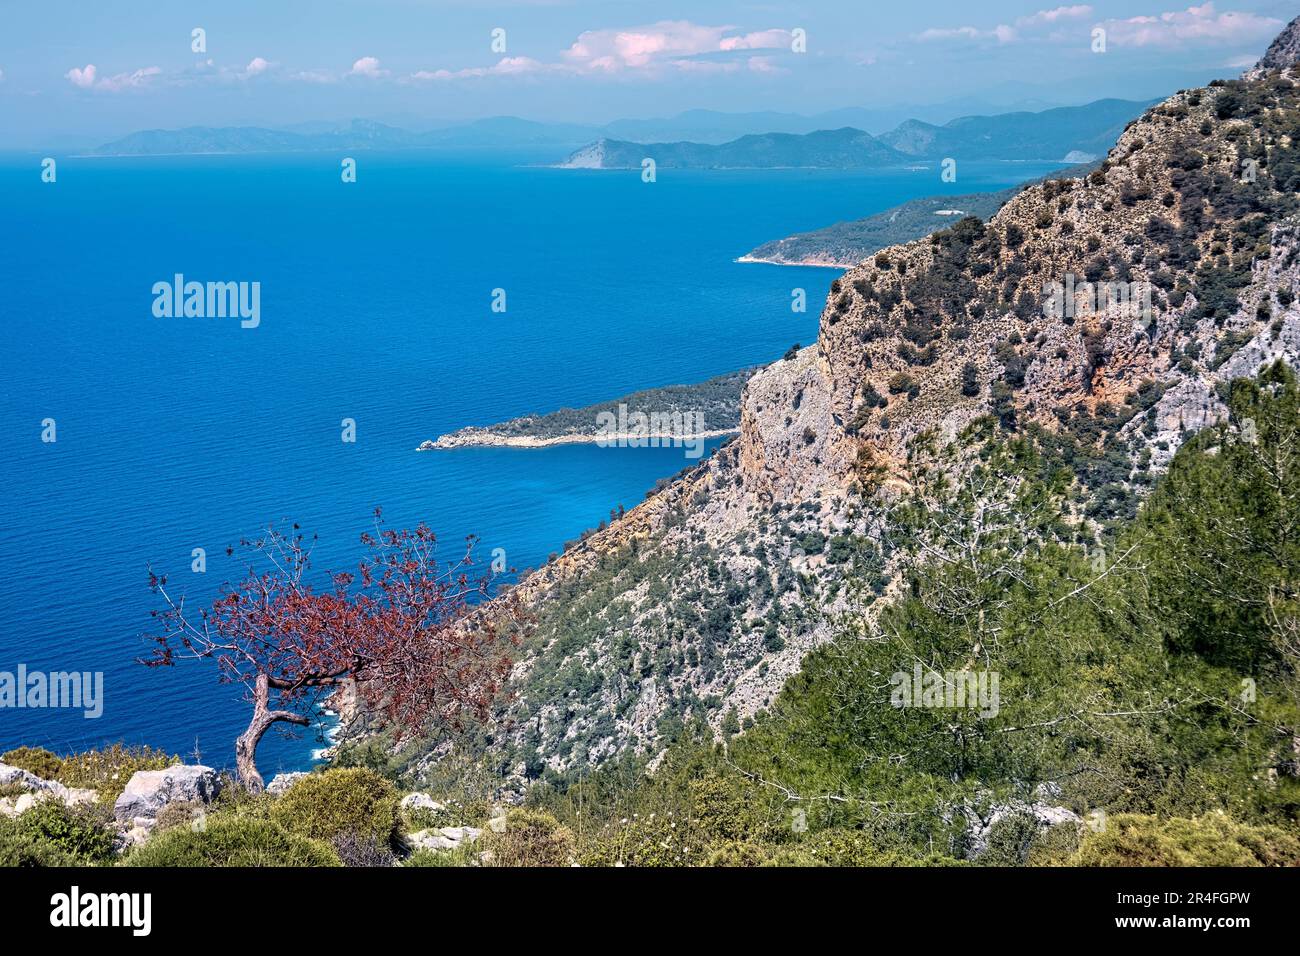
[[88, 77], [256, 66], [670, 46], [314, 76], [668, 41], [508, 66], [367, 66], [84, 77], [1010, 33], [128, 81], [1193, 26], [1076, 12], [764, 64]]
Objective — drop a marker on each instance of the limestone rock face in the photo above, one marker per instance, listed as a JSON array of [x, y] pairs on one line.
[[1282, 54], [148, 791]]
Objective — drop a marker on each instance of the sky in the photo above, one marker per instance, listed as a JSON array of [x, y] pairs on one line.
[[82, 71]]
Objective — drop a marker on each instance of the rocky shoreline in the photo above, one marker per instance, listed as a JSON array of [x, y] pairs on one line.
[[485, 438]]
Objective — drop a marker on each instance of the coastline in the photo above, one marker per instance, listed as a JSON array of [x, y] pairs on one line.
[[811, 263], [488, 439]]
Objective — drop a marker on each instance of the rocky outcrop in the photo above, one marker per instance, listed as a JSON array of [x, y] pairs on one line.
[[1282, 54], [421, 801], [281, 782], [37, 789], [443, 838], [148, 791]]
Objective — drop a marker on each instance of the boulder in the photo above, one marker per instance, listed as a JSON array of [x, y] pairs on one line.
[[421, 801], [443, 838], [149, 791], [283, 781], [1043, 815], [16, 775], [17, 806], [37, 787]]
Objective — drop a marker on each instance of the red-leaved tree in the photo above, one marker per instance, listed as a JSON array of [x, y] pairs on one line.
[[406, 629]]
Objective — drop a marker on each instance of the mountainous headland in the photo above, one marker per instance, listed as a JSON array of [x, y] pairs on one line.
[[713, 404]]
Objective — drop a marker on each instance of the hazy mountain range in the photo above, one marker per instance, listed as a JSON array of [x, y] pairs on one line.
[[701, 137], [1076, 134]]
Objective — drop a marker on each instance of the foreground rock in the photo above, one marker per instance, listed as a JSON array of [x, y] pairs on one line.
[[443, 838], [150, 790], [283, 781], [37, 789], [421, 801]]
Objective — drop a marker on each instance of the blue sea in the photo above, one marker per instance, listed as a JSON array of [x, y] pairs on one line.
[[183, 433]]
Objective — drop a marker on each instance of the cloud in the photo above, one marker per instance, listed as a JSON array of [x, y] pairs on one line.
[[84, 78], [128, 81], [670, 46], [1190, 27], [666, 42], [1243, 62], [1010, 33], [508, 66], [1042, 17], [367, 66], [88, 78], [256, 66], [314, 76]]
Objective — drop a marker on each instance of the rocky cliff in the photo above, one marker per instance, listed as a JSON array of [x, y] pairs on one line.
[[1105, 311]]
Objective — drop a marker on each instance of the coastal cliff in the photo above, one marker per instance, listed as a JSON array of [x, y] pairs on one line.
[[704, 599]]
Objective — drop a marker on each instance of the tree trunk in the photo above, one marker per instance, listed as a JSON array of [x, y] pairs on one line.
[[246, 744]]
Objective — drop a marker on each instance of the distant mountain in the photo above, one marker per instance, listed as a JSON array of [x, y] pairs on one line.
[[1079, 132], [497, 131], [1023, 135], [830, 149], [360, 134], [1051, 134]]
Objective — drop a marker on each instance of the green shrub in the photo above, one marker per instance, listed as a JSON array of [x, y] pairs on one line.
[[738, 853], [1210, 840], [179, 813], [232, 841], [51, 834], [529, 838], [110, 769], [350, 801], [19, 848], [466, 854], [34, 760]]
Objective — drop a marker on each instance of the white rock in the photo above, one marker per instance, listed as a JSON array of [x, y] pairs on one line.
[[421, 801], [283, 781], [444, 838], [148, 791]]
